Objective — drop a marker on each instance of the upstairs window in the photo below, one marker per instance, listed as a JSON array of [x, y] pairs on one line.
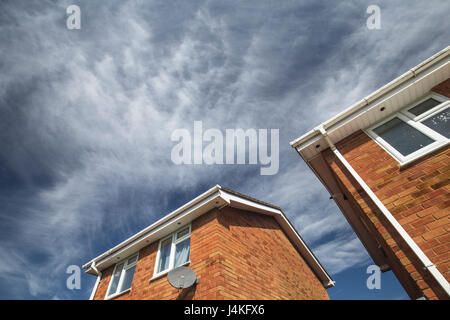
[[122, 276], [416, 130], [173, 251]]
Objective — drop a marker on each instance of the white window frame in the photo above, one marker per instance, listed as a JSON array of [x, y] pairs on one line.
[[416, 123], [125, 267], [175, 241]]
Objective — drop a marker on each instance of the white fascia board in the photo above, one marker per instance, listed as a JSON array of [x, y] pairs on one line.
[[163, 230], [366, 103], [375, 103], [165, 221], [246, 204], [215, 197], [310, 258], [354, 119]]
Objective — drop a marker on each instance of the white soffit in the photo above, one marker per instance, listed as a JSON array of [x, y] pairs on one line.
[[163, 227], [367, 114], [245, 204]]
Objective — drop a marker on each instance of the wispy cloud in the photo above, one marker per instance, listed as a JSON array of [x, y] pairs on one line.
[[86, 115]]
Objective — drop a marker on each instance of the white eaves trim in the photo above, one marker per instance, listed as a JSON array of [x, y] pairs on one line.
[[425, 68], [246, 204], [216, 197], [169, 220]]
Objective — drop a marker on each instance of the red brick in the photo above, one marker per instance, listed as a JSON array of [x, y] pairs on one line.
[[223, 247], [417, 196]]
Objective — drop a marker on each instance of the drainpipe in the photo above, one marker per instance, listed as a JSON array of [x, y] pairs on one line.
[[424, 260], [99, 276]]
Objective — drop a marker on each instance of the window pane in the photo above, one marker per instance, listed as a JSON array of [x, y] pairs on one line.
[[440, 122], [128, 278], [164, 255], [424, 106], [404, 138], [132, 260], [182, 233], [182, 252], [115, 280]]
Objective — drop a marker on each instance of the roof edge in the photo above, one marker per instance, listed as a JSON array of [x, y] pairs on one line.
[[154, 225], [410, 74], [230, 198]]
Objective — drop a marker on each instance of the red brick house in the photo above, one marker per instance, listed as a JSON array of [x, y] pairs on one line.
[[386, 163], [239, 247]]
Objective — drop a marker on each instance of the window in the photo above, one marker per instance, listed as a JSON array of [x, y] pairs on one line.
[[122, 276], [416, 130], [173, 251], [402, 136]]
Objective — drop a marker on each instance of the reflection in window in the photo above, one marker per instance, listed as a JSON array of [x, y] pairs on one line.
[[440, 122], [404, 138], [122, 276], [174, 250]]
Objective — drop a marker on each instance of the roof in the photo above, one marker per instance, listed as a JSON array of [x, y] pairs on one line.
[[402, 91], [215, 197]]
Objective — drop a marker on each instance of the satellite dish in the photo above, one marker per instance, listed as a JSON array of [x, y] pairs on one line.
[[182, 277]]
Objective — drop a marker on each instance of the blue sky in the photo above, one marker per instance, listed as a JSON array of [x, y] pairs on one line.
[[86, 118]]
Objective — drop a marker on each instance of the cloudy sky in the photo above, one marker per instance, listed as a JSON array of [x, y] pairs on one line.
[[86, 118]]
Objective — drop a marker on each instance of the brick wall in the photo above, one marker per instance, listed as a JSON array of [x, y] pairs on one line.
[[259, 262], [418, 196], [236, 255], [443, 88]]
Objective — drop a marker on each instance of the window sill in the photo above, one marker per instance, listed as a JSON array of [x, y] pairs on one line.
[[117, 294], [162, 274]]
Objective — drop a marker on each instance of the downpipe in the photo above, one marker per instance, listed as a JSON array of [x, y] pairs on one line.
[[424, 260]]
